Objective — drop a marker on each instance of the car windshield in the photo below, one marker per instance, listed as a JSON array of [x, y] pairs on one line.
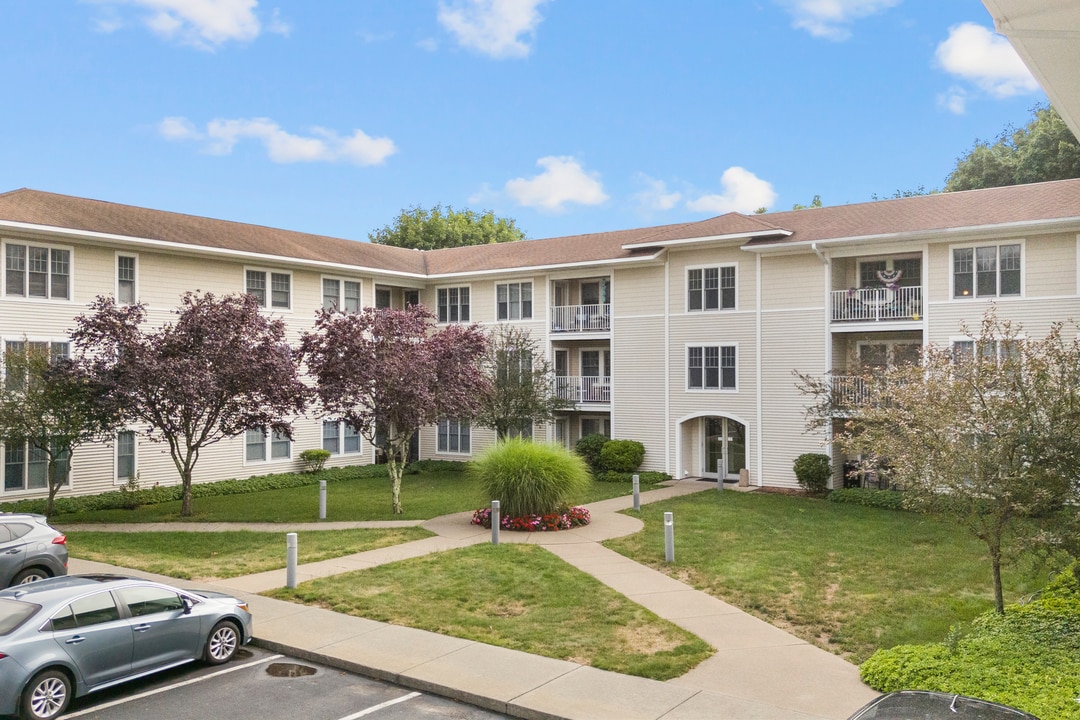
[[14, 613], [920, 706]]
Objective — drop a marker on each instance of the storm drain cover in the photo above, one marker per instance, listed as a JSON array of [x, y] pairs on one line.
[[289, 670]]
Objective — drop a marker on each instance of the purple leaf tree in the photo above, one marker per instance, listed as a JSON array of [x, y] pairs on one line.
[[219, 369], [388, 372]]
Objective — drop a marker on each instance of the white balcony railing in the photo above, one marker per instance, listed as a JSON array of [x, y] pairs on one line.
[[876, 304], [581, 318], [587, 390]]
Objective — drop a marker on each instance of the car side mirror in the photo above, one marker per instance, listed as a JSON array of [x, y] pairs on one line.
[[188, 604]]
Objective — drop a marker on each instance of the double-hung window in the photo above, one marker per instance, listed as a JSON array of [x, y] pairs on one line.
[[986, 271], [18, 358], [125, 279], [270, 289], [514, 301], [125, 455], [454, 437], [340, 437], [259, 446], [453, 304], [341, 295], [710, 288], [710, 367], [36, 271]]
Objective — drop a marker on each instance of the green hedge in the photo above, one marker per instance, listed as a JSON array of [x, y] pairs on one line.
[[123, 499], [622, 455], [888, 499], [424, 466], [645, 478], [1028, 658]]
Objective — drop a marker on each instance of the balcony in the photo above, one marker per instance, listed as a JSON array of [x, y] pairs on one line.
[[587, 390], [581, 318], [877, 304]]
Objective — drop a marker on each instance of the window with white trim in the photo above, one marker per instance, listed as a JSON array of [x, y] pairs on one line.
[[26, 466], [37, 271], [986, 349], [986, 271], [341, 294], [340, 437], [260, 446], [16, 358], [270, 289], [454, 436], [125, 279], [710, 367], [125, 455], [513, 301], [710, 288], [453, 304]]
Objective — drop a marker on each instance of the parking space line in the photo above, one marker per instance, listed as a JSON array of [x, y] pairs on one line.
[[381, 706], [159, 690]]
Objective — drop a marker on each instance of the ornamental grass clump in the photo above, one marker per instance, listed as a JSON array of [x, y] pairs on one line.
[[530, 478]]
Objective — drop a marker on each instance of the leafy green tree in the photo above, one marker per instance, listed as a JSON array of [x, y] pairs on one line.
[[984, 433], [422, 229], [815, 203], [1044, 149], [522, 390], [53, 405]]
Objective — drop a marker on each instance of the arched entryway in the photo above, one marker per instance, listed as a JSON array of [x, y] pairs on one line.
[[711, 439]]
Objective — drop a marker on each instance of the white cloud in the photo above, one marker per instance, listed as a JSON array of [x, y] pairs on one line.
[[832, 19], [563, 181], [282, 147], [986, 59], [743, 191], [656, 196], [954, 100], [499, 28], [206, 24]]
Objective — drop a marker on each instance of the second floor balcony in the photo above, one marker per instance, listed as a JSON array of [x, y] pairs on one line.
[[876, 304], [581, 318], [585, 390]]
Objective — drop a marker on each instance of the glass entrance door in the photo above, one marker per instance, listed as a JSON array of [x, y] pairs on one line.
[[724, 437]]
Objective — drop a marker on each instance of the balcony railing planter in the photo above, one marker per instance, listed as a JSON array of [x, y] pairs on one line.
[[876, 304], [587, 390], [581, 318]]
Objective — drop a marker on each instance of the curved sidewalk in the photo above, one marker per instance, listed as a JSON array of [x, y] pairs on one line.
[[758, 671]]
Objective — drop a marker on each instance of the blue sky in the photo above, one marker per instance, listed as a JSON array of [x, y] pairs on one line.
[[570, 116]]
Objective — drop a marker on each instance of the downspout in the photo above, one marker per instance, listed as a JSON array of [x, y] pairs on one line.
[[828, 333], [667, 366]]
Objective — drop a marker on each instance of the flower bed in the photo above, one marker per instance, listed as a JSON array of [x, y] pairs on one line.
[[564, 519]]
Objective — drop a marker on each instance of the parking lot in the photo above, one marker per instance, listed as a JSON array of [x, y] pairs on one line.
[[260, 685]]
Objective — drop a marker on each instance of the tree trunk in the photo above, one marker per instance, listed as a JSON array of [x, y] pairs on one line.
[[54, 485], [396, 464], [995, 562], [185, 503]]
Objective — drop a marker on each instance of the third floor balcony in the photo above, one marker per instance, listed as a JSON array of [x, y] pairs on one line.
[[591, 318], [876, 304]]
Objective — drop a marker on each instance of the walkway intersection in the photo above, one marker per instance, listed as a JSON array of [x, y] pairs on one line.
[[758, 672]]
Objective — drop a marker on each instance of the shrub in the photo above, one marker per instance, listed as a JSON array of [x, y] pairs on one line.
[[622, 455], [314, 460], [589, 447], [813, 471], [423, 466], [645, 478], [869, 497], [530, 478]]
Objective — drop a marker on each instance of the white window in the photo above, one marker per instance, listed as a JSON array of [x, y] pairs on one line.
[[26, 467], [454, 437], [125, 455], [340, 437], [986, 271], [341, 295], [987, 349], [513, 301], [453, 304], [258, 446], [710, 288], [710, 367], [125, 279], [36, 271], [270, 289], [17, 350]]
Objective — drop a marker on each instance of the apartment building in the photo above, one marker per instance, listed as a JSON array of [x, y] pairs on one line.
[[684, 337]]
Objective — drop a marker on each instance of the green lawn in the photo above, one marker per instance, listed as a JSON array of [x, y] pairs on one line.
[[848, 578], [212, 555], [515, 596], [423, 495]]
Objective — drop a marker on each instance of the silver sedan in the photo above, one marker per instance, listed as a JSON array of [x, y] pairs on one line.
[[64, 637]]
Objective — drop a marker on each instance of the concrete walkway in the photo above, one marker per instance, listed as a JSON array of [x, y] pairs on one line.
[[758, 672]]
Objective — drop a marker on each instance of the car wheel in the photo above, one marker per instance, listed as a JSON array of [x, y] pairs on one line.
[[29, 575], [222, 643], [47, 695]]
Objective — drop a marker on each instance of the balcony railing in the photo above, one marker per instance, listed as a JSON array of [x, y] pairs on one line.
[[581, 318], [587, 390], [876, 304]]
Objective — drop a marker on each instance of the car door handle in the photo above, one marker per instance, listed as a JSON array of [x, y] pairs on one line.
[[13, 551], [74, 640], [142, 628]]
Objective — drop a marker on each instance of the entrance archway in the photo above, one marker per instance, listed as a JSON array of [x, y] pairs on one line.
[[724, 441]]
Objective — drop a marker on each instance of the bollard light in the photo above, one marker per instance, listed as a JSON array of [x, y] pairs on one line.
[[669, 537], [495, 522], [637, 492], [290, 560], [322, 499]]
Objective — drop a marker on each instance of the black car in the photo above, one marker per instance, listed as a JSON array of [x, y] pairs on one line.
[[925, 705]]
